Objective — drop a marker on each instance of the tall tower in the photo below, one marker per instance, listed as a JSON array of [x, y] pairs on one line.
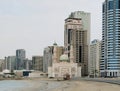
[[95, 56], [77, 33], [55, 54], [47, 58], [20, 58], [110, 59]]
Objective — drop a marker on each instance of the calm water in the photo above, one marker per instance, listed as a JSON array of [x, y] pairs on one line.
[[12, 85], [20, 85]]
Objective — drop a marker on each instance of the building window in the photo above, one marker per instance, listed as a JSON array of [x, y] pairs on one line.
[[110, 5], [117, 4], [69, 35], [103, 9]]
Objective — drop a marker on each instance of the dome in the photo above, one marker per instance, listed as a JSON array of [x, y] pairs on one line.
[[55, 44], [6, 71], [64, 57]]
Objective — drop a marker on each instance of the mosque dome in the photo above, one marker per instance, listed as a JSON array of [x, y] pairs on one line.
[[64, 57], [55, 44]]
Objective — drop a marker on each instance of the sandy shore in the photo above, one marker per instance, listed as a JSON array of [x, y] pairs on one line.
[[53, 85], [92, 86]]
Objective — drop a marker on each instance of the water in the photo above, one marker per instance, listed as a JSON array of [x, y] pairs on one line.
[[12, 85], [33, 85]]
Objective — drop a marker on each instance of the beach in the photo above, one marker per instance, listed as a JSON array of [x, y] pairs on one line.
[[45, 84], [71, 85]]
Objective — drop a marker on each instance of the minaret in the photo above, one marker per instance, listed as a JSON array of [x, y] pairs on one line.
[[55, 53], [71, 54]]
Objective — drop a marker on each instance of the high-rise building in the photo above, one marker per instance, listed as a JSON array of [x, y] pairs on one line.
[[95, 56], [20, 57], [29, 65], [2, 61], [37, 62], [110, 59], [47, 58], [11, 62], [48, 54], [77, 33]]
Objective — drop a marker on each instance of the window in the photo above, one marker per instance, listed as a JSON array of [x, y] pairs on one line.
[[117, 4], [110, 5], [103, 8]]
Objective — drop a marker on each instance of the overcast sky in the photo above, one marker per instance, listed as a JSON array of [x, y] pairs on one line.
[[35, 24]]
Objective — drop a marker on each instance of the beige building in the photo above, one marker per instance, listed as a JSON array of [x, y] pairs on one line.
[[60, 51], [63, 65], [37, 63], [77, 33], [95, 55]]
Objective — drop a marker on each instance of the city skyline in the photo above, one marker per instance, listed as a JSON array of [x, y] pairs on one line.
[[26, 24]]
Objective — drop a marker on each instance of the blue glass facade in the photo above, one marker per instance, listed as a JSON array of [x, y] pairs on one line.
[[110, 56]]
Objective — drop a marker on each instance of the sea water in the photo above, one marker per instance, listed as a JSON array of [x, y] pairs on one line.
[[12, 85]]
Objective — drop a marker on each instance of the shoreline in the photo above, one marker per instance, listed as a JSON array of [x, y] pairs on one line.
[[46, 84]]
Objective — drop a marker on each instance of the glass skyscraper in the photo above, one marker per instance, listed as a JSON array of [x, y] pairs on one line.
[[20, 58], [110, 56]]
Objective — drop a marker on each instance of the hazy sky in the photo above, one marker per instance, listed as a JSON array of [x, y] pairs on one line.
[[35, 24]]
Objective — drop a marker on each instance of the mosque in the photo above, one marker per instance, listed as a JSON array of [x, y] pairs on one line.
[[64, 66]]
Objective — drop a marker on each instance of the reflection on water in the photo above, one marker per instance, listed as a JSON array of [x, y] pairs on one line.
[[12, 85]]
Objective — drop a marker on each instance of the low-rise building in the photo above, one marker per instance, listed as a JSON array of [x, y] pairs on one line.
[[64, 65]]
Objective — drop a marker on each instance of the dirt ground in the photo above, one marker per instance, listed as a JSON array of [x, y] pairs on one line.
[[54, 85]]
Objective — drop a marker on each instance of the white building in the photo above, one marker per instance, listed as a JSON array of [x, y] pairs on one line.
[[95, 54], [47, 58], [64, 66]]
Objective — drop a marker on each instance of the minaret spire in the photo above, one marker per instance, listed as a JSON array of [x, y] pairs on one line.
[[55, 53]]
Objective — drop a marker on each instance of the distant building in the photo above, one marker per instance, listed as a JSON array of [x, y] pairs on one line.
[[1, 64], [110, 58], [30, 65], [48, 54], [27, 64], [11, 62], [20, 57], [95, 56], [47, 58], [63, 65], [37, 62], [77, 33]]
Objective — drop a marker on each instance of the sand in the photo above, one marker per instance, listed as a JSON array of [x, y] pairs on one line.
[[53, 85]]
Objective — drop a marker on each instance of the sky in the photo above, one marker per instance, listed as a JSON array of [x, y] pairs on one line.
[[35, 24]]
